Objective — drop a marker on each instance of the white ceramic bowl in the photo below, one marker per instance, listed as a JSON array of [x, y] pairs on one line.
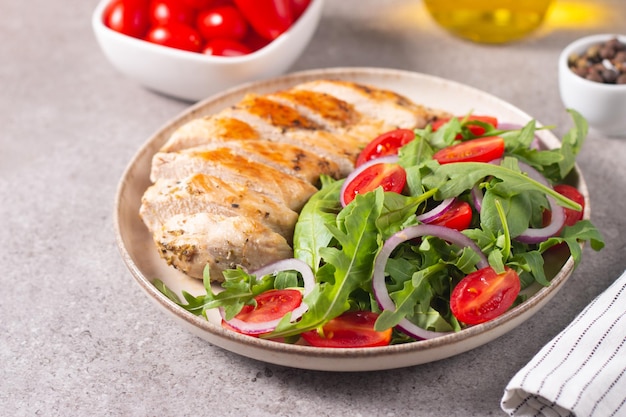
[[194, 76], [603, 105]]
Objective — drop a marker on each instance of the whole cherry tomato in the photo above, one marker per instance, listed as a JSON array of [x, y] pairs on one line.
[[176, 35], [298, 7], [201, 4], [163, 12], [225, 47], [224, 22], [269, 18], [129, 17]]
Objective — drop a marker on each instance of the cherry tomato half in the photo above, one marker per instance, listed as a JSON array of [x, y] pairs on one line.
[[129, 17], [225, 47], [176, 35], [269, 18], [391, 177], [484, 295], [571, 216], [225, 22], [353, 329], [386, 144], [458, 216], [476, 150], [475, 129], [163, 12], [270, 305]]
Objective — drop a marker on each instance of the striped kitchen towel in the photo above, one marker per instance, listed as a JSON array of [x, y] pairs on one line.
[[582, 371]]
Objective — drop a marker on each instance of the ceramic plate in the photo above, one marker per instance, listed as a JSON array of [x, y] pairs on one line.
[[141, 257]]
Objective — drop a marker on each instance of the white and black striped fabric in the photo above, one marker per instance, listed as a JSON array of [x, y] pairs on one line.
[[582, 371]]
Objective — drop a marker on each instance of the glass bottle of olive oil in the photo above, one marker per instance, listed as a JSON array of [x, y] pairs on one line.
[[489, 21]]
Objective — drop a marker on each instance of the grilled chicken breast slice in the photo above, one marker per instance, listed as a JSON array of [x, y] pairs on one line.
[[290, 159], [395, 110], [234, 169], [189, 242], [200, 193], [209, 129]]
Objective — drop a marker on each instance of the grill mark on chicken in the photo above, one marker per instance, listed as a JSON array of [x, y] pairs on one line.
[[234, 169], [209, 128], [200, 193], [290, 159]]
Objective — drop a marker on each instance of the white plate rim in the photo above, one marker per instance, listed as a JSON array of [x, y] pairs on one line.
[[306, 357]]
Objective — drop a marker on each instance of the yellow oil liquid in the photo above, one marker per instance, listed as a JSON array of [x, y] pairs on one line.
[[489, 21]]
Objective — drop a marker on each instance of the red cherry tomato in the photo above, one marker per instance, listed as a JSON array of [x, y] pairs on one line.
[[458, 216], [386, 144], [269, 18], [476, 150], [484, 295], [224, 22], [391, 177], [129, 17], [571, 216], [176, 35], [475, 129], [225, 47], [203, 4], [298, 7], [255, 41], [163, 12], [353, 329]]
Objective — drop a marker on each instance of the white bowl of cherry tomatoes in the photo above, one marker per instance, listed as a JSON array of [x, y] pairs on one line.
[[191, 49]]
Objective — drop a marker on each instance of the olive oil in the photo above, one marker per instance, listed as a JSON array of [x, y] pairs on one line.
[[489, 21]]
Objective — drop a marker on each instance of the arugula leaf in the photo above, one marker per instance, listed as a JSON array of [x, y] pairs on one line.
[[311, 232], [352, 262]]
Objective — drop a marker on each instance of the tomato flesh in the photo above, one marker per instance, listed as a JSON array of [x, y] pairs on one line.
[[353, 329], [386, 144], [476, 150], [458, 216], [475, 129], [484, 295], [270, 305], [391, 177], [571, 216]]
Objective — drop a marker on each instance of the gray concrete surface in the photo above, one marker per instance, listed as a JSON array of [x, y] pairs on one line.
[[78, 337]]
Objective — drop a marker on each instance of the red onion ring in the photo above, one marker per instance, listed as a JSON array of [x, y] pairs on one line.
[[538, 235], [268, 326], [389, 159], [378, 280], [437, 212], [477, 198]]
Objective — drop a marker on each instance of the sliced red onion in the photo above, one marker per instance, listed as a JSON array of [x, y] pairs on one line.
[[378, 281], [477, 197], [538, 235], [268, 326], [437, 212], [390, 159]]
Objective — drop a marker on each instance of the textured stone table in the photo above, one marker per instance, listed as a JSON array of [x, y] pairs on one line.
[[78, 337]]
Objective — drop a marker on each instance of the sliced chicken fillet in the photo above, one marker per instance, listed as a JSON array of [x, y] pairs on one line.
[[200, 193], [234, 169], [189, 242], [208, 129]]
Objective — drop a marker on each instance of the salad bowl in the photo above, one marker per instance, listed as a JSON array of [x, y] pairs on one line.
[[136, 245]]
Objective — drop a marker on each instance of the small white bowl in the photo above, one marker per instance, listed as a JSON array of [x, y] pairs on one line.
[[195, 76], [603, 105]]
